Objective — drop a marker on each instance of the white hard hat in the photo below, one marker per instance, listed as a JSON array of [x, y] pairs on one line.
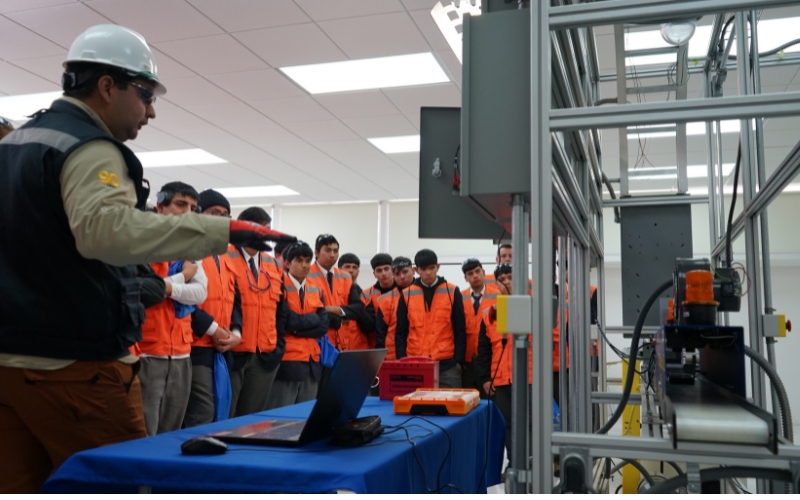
[[116, 46]]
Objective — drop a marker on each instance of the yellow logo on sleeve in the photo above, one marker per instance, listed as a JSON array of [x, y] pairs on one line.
[[108, 179]]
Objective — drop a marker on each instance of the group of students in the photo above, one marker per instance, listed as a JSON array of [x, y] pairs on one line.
[[266, 314]]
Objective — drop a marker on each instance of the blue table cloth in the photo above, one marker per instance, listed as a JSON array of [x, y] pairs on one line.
[[386, 465]]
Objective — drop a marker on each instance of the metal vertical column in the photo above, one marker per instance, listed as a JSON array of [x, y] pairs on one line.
[[622, 98], [573, 374], [751, 229], [541, 250], [563, 380], [713, 227], [766, 264], [681, 78], [517, 479]]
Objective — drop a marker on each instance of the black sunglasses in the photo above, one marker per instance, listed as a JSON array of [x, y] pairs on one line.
[[401, 265]]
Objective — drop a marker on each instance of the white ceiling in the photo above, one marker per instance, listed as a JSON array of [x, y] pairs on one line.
[[218, 59]]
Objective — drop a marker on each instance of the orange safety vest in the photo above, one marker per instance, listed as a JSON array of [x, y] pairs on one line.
[[221, 292], [301, 348], [473, 319], [430, 332], [162, 333], [502, 359], [557, 333], [371, 294], [343, 339], [387, 305], [259, 302]]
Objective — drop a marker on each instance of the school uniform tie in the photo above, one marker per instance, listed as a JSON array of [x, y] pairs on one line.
[[302, 293], [216, 261], [476, 302], [253, 269], [330, 280]]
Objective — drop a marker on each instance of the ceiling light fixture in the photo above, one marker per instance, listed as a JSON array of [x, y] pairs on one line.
[[18, 108], [178, 158], [449, 18], [365, 74], [692, 172], [678, 32], [257, 192], [399, 144]]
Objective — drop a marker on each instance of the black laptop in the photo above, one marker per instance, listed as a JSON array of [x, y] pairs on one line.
[[339, 402]]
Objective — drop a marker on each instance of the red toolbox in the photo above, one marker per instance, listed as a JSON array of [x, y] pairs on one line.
[[398, 378]]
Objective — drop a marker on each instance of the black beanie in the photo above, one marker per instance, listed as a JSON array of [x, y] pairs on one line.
[[210, 198]]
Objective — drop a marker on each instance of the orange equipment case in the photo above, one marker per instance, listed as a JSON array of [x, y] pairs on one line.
[[437, 402], [398, 378]]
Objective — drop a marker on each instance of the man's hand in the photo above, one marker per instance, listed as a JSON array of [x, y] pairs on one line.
[[168, 290], [251, 235], [189, 270], [220, 334], [228, 343], [335, 310], [488, 388]]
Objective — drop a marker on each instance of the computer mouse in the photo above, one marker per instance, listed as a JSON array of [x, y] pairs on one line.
[[204, 445]]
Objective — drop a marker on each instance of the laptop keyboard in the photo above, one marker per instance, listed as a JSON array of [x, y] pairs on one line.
[[284, 432]]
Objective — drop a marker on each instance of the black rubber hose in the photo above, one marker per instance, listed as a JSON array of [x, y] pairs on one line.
[[717, 474], [773, 51], [607, 182], [775, 380], [637, 334], [675, 466], [640, 467]]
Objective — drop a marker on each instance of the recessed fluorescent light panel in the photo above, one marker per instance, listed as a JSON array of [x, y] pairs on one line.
[[400, 144], [178, 158], [772, 33], [365, 74], [694, 128], [449, 18], [692, 172], [19, 107], [257, 192]]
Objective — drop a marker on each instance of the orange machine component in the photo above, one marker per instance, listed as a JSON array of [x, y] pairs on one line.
[[700, 288]]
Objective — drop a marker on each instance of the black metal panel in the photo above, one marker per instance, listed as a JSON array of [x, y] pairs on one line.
[[443, 214], [651, 239]]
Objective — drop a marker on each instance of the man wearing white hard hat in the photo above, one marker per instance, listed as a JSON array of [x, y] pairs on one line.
[[72, 199]]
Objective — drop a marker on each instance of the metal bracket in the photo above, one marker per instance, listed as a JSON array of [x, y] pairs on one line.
[[569, 457], [794, 467], [437, 168], [693, 483], [518, 476]]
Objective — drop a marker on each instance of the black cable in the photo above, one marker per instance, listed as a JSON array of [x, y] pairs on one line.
[[775, 50], [675, 466], [778, 387], [728, 248], [637, 334], [721, 473], [646, 475], [489, 420]]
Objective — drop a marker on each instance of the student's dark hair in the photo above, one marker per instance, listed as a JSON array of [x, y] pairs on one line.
[[504, 268], [502, 246], [380, 259], [401, 263], [80, 79], [425, 258], [349, 258], [280, 247], [255, 214], [324, 239], [470, 264], [297, 249], [170, 189]]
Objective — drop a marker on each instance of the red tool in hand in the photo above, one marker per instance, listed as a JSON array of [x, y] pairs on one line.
[[251, 235]]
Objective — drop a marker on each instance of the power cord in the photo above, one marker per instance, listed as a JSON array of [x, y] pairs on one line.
[[419, 461]]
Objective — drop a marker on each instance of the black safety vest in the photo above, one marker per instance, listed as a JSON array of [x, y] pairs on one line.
[[54, 302]]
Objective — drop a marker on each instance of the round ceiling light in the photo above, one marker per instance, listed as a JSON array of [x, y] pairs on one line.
[[677, 33]]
